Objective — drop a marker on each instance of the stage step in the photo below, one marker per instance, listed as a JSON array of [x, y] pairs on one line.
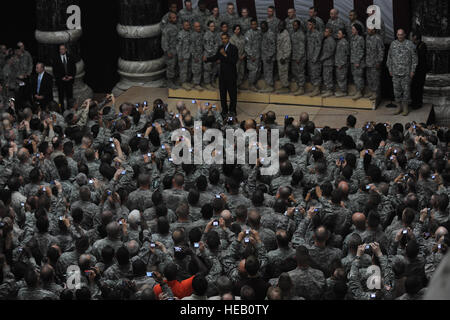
[[247, 96]]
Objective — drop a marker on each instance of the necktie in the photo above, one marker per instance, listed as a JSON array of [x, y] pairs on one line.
[[39, 83], [65, 63]]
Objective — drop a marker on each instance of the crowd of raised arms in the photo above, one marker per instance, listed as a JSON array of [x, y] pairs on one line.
[[94, 207]]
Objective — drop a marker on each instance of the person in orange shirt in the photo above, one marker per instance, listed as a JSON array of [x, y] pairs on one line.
[[180, 289]]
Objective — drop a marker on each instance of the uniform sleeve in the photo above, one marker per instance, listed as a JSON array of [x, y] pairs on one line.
[[389, 59], [414, 58], [381, 48]]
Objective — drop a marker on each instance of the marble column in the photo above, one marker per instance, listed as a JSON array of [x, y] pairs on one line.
[[431, 18], [51, 25], [141, 61]]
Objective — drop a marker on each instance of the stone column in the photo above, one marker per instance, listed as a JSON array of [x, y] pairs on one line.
[[431, 18], [51, 25], [141, 61]]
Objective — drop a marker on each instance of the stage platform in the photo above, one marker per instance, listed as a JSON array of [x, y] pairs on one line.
[[247, 96], [321, 115]]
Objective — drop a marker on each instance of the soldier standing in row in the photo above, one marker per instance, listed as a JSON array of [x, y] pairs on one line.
[[169, 44], [230, 17], [357, 60], [298, 58], [341, 63], [314, 46], [211, 44], [284, 49], [268, 55], [320, 25], [335, 22], [402, 62], [292, 16], [272, 20], [173, 8], [327, 60], [184, 54], [187, 13], [238, 40], [215, 17], [374, 59], [225, 28], [196, 55], [253, 53], [353, 16], [244, 21], [201, 14]]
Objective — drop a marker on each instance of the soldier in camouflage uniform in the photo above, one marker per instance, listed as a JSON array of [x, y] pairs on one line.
[[169, 44], [165, 19], [202, 14], [238, 40], [187, 13], [196, 55], [320, 25], [230, 16], [327, 59], [314, 46], [268, 54], [225, 28], [253, 53], [353, 16], [292, 16], [272, 20], [402, 62], [335, 22], [374, 59], [284, 49], [298, 58], [184, 54], [210, 46], [357, 60], [341, 63], [215, 17], [244, 21]]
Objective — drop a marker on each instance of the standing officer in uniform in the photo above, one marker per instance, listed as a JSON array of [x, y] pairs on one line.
[[327, 60], [238, 40], [64, 71], [268, 55], [184, 54], [230, 17], [187, 13], [320, 25], [357, 60], [335, 22], [284, 49], [314, 46], [374, 59], [165, 20], [253, 53], [298, 58], [420, 75], [272, 20], [228, 57], [244, 21], [210, 47], [196, 55], [341, 63], [169, 44], [402, 62]]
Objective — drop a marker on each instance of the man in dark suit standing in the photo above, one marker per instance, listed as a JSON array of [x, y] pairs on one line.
[[41, 86], [228, 57], [64, 71]]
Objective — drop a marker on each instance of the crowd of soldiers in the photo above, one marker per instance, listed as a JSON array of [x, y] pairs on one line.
[[92, 206], [287, 50]]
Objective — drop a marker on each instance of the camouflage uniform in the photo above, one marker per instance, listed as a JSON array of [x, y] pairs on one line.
[[169, 44], [320, 25], [184, 48], [253, 51], [210, 47], [202, 17], [402, 60], [327, 59], [165, 21], [341, 63], [350, 25], [239, 42], [308, 283], [298, 58], [186, 15], [268, 54], [290, 22], [273, 24], [230, 19], [314, 46], [196, 56], [357, 51], [374, 56], [284, 53], [244, 23]]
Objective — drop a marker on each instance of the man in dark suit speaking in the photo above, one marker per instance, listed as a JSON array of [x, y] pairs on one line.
[[41, 86], [228, 57], [64, 70]]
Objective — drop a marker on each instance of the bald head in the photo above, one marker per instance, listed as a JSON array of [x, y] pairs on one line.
[[304, 118], [440, 232], [359, 221], [133, 247], [321, 235], [343, 186], [227, 216], [334, 14], [47, 273]]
